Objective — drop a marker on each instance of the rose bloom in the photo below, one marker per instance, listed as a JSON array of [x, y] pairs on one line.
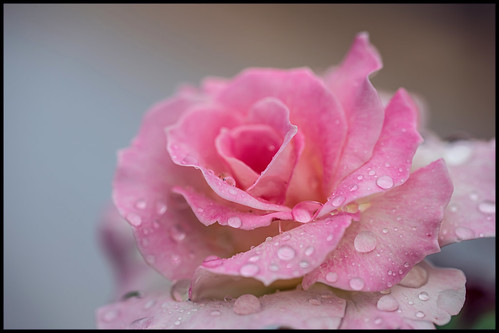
[[281, 199]]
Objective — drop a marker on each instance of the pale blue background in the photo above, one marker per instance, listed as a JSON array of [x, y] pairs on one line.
[[78, 79]]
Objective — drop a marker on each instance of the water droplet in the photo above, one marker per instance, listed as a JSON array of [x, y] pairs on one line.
[[180, 290], [304, 211], [464, 233], [215, 313], [360, 177], [254, 258], [424, 296], [141, 323], [378, 321], [371, 173], [365, 241], [110, 315], [385, 182], [420, 314], [356, 283], [329, 238], [249, 270], [387, 303], [134, 219], [141, 204], [338, 201], [487, 207], [353, 187], [268, 239], [304, 264], [473, 196], [177, 233], [286, 253], [457, 154], [309, 250], [160, 208], [177, 322], [234, 222], [416, 278], [385, 230], [315, 301], [247, 304], [332, 277], [273, 267]]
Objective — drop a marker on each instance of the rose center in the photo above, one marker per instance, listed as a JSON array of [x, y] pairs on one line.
[[254, 145]]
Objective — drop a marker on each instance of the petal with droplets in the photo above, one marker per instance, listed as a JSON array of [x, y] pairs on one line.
[[397, 231]]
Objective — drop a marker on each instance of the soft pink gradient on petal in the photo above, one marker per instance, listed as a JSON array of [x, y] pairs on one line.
[[363, 107], [471, 211], [168, 234], [286, 256], [313, 309], [390, 163], [311, 106], [439, 297], [209, 211], [397, 231]]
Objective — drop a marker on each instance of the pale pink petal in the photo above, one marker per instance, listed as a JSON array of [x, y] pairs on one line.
[[168, 235], [313, 309], [471, 210], [311, 107], [398, 230], [363, 107], [286, 256], [209, 211], [132, 275], [213, 85], [434, 300], [390, 163]]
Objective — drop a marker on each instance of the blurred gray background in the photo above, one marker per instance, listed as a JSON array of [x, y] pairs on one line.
[[78, 79]]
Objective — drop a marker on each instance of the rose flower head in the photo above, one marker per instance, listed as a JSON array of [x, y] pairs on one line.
[[280, 198]]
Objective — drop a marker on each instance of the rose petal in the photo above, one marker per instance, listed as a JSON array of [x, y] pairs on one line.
[[273, 182], [168, 234], [311, 107], [363, 107], [397, 231], [209, 211], [471, 210], [390, 163], [401, 307], [313, 309], [288, 255]]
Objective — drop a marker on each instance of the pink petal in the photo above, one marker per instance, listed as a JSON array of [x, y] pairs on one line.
[[273, 182], [471, 210], [286, 256], [209, 211], [439, 297], [363, 107], [311, 107], [390, 163], [131, 273], [397, 230], [168, 234], [313, 309]]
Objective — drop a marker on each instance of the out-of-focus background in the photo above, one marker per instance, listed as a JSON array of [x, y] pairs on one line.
[[79, 77]]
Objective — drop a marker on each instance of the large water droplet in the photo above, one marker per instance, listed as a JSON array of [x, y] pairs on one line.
[[387, 303], [247, 304], [365, 241], [249, 270], [416, 278], [230, 180], [286, 252], [177, 233], [309, 250], [385, 182], [141, 204], [304, 264], [332, 277], [356, 283], [141, 323], [134, 219], [464, 233], [110, 315], [338, 201], [423, 296], [457, 154], [180, 290], [487, 207], [234, 222], [304, 211], [420, 314]]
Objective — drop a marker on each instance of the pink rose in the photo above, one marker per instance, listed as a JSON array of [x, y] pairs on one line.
[[256, 195]]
